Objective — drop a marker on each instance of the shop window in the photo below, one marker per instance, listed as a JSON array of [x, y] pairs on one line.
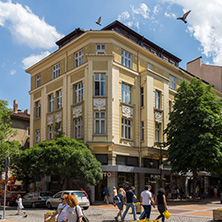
[[102, 158], [127, 161]]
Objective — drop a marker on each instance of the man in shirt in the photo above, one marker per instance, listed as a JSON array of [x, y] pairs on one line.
[[61, 210], [130, 203], [146, 200]]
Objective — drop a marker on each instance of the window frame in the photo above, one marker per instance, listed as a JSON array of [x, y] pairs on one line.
[[56, 71], [157, 99], [79, 58], [50, 132], [126, 126], [101, 121], [59, 99], [126, 93], [37, 136], [141, 96], [126, 59], [142, 134], [78, 92], [78, 128], [157, 132], [38, 80], [37, 109], [172, 84], [51, 102], [100, 84], [101, 50]]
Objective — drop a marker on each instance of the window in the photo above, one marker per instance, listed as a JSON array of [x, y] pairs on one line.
[[126, 59], [37, 109], [100, 84], [51, 102], [100, 49], [102, 158], [37, 136], [127, 161], [142, 130], [59, 99], [126, 129], [157, 100], [38, 80], [157, 132], [141, 96], [172, 82], [55, 71], [78, 58], [78, 128], [149, 66], [78, 93], [100, 122], [50, 132], [126, 93]]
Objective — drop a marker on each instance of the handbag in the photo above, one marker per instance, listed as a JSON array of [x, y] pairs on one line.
[[166, 214], [84, 218]]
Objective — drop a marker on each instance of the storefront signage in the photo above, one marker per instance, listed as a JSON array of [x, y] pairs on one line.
[[107, 174]]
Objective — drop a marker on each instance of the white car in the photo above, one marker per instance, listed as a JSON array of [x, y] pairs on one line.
[[81, 197]]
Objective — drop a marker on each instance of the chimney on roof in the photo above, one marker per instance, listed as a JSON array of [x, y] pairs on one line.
[[27, 111], [15, 106]]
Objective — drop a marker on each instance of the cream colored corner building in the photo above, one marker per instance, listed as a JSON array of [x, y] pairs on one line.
[[114, 90]]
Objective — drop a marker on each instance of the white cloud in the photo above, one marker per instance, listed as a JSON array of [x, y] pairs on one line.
[[12, 72], [31, 60], [142, 10], [123, 16], [170, 15], [204, 23], [26, 27], [155, 9]]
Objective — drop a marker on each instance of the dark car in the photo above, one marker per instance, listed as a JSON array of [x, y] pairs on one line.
[[35, 199]]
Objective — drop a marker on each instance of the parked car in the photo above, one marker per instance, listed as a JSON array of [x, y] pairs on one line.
[[81, 197], [35, 199], [10, 198]]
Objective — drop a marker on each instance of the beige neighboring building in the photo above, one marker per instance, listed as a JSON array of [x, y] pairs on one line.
[[210, 73], [114, 90], [21, 124]]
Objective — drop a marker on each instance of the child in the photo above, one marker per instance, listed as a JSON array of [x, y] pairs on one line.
[[20, 206]]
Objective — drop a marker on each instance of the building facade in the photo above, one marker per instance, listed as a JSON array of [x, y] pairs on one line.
[[114, 90]]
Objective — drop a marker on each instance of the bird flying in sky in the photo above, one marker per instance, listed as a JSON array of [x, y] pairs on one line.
[[184, 17], [98, 21]]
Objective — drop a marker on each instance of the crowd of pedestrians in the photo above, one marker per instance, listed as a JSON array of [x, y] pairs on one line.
[[127, 197]]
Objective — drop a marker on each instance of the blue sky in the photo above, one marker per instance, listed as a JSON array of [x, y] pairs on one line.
[[29, 30]]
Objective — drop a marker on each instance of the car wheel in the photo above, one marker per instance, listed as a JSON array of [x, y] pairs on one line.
[[49, 206], [85, 208], [33, 205]]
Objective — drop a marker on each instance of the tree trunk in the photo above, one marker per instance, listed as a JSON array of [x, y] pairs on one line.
[[194, 185]]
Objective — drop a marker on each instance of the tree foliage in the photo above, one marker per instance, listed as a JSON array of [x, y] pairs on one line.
[[62, 158], [194, 129], [7, 146]]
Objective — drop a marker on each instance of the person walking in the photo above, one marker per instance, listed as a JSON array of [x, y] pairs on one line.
[[88, 191], [160, 200], [106, 195], [61, 210], [146, 200], [120, 205], [73, 211], [20, 205], [130, 195]]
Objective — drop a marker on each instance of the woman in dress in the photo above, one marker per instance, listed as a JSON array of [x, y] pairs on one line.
[[73, 212], [160, 200], [20, 206]]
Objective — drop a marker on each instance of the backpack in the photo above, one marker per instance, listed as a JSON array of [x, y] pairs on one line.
[[116, 199]]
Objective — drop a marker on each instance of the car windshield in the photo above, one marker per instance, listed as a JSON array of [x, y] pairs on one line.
[[79, 194], [42, 194]]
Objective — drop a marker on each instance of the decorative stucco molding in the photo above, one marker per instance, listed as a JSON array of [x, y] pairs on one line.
[[158, 117], [58, 117], [77, 111], [99, 104], [50, 120], [127, 111]]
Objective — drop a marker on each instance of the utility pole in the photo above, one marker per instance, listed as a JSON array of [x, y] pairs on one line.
[[6, 182]]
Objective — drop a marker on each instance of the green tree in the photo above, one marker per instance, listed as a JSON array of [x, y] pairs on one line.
[[62, 158], [194, 130], [7, 146]]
